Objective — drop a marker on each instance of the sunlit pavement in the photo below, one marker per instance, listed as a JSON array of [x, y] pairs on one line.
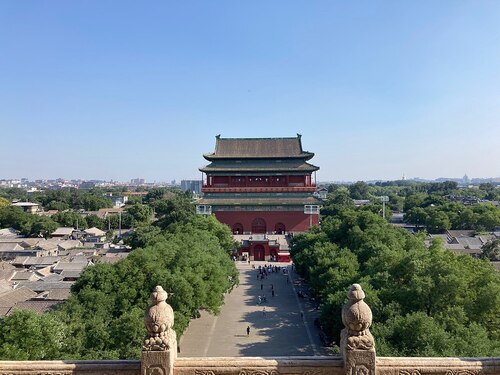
[[284, 326]]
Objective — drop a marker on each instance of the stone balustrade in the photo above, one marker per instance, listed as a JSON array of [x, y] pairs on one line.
[[159, 354]]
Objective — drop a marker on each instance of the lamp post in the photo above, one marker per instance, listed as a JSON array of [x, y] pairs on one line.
[[311, 209], [384, 198]]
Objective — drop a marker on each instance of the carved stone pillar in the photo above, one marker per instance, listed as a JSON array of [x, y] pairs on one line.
[[159, 350], [356, 341]]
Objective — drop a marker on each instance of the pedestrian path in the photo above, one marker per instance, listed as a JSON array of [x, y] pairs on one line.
[[282, 326]]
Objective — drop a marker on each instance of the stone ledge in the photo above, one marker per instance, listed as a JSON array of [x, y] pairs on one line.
[[431, 365], [260, 366]]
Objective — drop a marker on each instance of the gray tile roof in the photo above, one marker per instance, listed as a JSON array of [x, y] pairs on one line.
[[39, 307], [260, 201], [260, 166], [58, 294], [9, 299], [258, 148], [10, 246], [63, 231], [41, 286]]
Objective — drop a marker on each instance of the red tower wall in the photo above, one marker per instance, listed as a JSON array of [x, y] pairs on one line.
[[295, 221]]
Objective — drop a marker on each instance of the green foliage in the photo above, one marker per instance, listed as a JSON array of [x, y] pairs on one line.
[[13, 217], [144, 236], [25, 335], [437, 215], [70, 219], [105, 312], [426, 302], [173, 210], [39, 226], [57, 205], [359, 190], [140, 213], [4, 202], [491, 250], [95, 221], [29, 225]]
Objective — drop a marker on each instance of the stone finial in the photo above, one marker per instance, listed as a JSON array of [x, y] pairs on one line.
[[356, 314], [356, 341], [159, 320]]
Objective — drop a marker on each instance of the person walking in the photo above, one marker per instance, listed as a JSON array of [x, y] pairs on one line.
[[264, 311], [248, 331]]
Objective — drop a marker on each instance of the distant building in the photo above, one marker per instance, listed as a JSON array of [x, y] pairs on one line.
[[118, 200], [321, 193], [63, 232], [137, 181], [192, 185], [260, 185], [87, 185], [28, 207]]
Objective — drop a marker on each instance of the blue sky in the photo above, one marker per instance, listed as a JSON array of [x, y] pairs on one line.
[[125, 89]]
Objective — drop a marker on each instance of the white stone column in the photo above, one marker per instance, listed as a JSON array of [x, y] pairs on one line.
[[159, 350], [356, 341]]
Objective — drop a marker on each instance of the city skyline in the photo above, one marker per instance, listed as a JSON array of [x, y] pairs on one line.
[[378, 90]]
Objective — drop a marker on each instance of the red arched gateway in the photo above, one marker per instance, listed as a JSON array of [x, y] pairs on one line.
[[259, 226]]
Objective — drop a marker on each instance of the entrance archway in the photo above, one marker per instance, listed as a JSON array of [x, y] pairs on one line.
[[238, 228], [279, 228], [259, 226], [258, 252]]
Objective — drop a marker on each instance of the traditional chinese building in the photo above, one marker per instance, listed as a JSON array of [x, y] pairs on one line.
[[260, 185]]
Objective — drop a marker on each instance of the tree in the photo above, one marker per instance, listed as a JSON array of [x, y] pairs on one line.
[[25, 335], [4, 202], [95, 221], [70, 219], [91, 202], [141, 213], [437, 222], [57, 205], [417, 216], [39, 226], [359, 190], [425, 301], [179, 208], [491, 250], [13, 217], [340, 196], [104, 315], [414, 200], [143, 236]]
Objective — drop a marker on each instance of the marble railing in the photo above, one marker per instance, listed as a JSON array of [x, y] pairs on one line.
[[159, 354], [259, 366]]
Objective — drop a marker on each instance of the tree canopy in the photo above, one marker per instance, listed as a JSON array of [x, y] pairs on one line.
[[185, 253], [426, 301]]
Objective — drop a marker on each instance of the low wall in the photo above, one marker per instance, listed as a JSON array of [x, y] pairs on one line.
[[260, 366]]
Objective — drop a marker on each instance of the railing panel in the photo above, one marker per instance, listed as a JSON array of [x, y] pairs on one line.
[[70, 367], [437, 366]]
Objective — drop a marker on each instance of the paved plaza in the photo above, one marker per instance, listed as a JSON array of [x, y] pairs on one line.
[[282, 326]]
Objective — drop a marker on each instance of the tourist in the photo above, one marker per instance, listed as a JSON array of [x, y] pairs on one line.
[[248, 331]]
